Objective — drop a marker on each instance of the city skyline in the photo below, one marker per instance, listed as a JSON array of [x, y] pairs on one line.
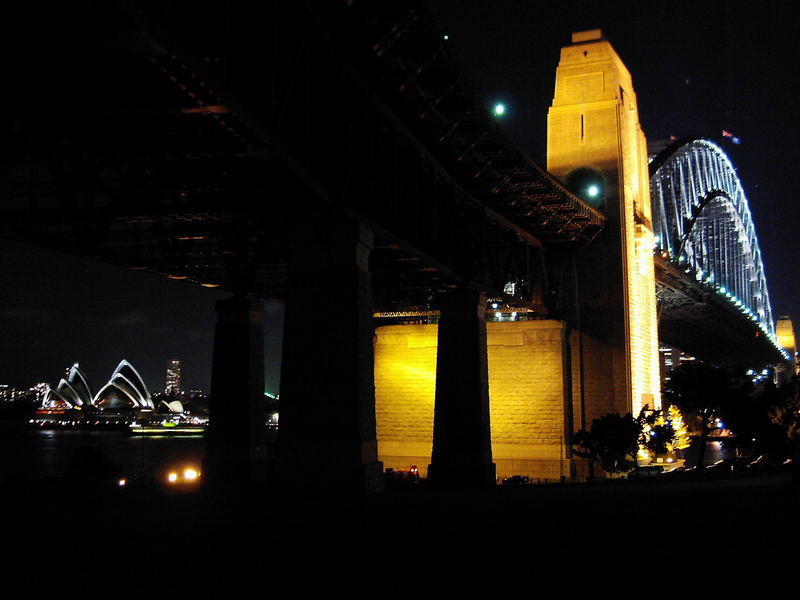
[[150, 319]]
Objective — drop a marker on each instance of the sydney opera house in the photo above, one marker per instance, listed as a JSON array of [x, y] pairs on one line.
[[123, 402]]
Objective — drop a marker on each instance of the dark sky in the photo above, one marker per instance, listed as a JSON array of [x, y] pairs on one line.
[[59, 309], [697, 68]]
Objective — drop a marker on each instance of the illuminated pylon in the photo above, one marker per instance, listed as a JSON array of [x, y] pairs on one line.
[[597, 148]]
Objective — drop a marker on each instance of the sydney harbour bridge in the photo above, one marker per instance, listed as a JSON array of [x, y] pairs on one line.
[[704, 229], [342, 165]]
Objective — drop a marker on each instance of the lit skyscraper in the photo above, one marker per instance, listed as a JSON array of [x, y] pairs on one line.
[[173, 378]]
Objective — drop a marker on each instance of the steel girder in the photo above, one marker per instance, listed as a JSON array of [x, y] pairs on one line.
[[187, 150], [703, 226]]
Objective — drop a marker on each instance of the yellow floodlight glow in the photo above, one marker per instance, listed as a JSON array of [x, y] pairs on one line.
[[593, 124]]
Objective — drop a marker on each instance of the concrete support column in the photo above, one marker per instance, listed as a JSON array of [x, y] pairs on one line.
[[326, 438], [462, 443], [237, 433]]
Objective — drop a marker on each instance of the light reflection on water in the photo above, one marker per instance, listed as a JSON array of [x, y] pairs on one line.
[[45, 454], [32, 454], [715, 450]]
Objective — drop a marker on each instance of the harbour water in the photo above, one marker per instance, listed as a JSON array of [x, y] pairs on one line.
[[716, 450], [33, 454]]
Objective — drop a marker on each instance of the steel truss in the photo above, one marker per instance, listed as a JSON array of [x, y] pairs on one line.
[[702, 223]]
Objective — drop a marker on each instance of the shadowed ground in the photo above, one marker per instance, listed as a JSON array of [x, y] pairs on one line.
[[150, 543]]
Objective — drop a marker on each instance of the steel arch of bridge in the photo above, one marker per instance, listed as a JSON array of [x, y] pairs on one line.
[[702, 221]]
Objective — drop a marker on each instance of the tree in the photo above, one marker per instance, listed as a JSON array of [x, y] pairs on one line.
[[681, 441], [705, 391], [612, 441], [657, 434], [775, 427]]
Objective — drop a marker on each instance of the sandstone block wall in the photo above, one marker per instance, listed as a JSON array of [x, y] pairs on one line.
[[525, 387], [603, 379]]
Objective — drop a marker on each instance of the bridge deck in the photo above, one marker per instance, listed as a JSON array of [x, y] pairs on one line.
[[700, 322], [169, 151]]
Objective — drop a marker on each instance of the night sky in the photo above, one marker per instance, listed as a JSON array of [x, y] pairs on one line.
[[697, 68], [59, 309]]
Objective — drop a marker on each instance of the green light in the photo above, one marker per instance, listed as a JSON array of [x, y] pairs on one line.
[[499, 109], [587, 184]]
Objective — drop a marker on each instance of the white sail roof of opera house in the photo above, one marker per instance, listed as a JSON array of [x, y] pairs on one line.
[[125, 389], [71, 392]]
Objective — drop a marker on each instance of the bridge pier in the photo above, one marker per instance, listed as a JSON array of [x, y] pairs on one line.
[[236, 435], [326, 439], [462, 446]]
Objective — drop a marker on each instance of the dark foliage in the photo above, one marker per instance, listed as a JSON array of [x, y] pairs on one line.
[[764, 421], [654, 436], [706, 392], [612, 441]]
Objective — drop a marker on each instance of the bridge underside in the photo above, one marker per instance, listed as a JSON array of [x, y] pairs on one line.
[[170, 156], [326, 154], [700, 322]]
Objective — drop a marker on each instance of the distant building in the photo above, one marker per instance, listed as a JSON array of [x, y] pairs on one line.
[[124, 402], [173, 386], [72, 392], [671, 358], [124, 391], [40, 389], [10, 394], [785, 332]]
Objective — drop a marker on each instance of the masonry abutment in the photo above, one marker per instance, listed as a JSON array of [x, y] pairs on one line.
[[326, 440], [462, 446], [236, 440]]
